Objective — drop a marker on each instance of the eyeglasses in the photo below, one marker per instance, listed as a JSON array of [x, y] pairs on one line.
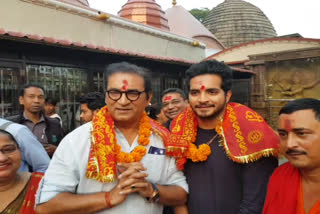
[[131, 95], [9, 149], [173, 102]]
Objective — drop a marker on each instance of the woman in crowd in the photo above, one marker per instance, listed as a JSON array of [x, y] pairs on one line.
[[17, 189]]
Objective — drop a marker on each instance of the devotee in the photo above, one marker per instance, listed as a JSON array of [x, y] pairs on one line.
[[47, 130], [174, 101], [33, 156], [50, 108], [294, 187], [116, 163], [90, 105], [17, 189], [228, 147]]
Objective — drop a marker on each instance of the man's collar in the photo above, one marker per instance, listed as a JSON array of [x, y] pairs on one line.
[[25, 117]]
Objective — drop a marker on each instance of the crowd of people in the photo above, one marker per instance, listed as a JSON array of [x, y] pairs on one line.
[[194, 152]]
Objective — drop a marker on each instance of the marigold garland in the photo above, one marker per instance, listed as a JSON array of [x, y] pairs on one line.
[[143, 140], [105, 153]]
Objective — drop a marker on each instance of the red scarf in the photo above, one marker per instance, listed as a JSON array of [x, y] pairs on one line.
[[285, 193], [245, 134], [29, 201], [283, 189]]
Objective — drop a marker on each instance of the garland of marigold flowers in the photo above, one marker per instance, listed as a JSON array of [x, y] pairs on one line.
[[186, 125], [143, 140]]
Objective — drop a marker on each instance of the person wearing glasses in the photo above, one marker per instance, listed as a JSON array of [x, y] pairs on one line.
[[17, 189], [174, 101], [90, 105], [116, 163]]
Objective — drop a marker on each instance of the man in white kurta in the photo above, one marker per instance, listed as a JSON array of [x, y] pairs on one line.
[[143, 187], [67, 171]]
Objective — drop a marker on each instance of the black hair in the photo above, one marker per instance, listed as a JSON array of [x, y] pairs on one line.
[[302, 104], [125, 67], [30, 85], [94, 100], [51, 101], [153, 110], [4, 132], [211, 67], [174, 90]]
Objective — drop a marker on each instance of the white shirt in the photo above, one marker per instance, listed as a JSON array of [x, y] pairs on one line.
[[67, 172]]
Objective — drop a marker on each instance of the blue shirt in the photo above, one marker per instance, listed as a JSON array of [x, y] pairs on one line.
[[32, 152]]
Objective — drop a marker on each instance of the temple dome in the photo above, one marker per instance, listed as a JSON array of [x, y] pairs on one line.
[[183, 23], [235, 22], [145, 11]]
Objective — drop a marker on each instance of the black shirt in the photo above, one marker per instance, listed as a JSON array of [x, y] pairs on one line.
[[222, 186]]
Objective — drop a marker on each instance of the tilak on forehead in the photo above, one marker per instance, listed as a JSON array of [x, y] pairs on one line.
[[202, 87], [167, 98], [125, 85], [287, 125]]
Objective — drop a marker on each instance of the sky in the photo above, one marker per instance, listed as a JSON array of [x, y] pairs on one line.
[[287, 16]]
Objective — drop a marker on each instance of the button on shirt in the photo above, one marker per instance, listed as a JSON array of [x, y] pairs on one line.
[[38, 129], [67, 171]]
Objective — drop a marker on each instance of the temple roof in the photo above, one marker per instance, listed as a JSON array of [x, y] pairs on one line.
[[145, 11], [236, 21], [182, 22], [83, 3]]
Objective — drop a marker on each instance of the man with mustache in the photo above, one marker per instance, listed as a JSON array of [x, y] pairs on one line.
[[294, 187], [47, 130], [174, 101], [225, 148]]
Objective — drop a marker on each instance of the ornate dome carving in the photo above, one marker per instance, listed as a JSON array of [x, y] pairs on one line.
[[145, 11], [235, 22]]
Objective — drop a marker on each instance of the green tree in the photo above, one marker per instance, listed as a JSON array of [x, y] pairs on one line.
[[200, 13]]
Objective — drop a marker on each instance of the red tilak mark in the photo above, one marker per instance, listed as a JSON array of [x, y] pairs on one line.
[[167, 98], [203, 88], [287, 125], [125, 85]]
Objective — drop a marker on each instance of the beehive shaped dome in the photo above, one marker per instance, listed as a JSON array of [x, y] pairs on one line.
[[235, 22], [145, 11]]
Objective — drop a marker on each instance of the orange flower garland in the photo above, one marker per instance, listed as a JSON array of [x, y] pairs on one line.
[[105, 153], [143, 140], [198, 154]]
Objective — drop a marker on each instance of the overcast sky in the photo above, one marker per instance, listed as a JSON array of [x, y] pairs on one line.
[[287, 16]]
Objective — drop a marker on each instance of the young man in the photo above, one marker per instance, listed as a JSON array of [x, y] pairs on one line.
[[174, 101], [90, 105], [115, 164], [226, 145], [47, 130], [50, 108], [294, 187]]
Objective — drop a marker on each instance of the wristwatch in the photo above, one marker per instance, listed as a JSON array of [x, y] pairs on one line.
[[155, 197]]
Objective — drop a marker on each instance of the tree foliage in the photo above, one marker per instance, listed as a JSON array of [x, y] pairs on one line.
[[200, 13]]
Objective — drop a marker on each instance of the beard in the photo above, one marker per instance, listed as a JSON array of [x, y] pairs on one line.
[[219, 109]]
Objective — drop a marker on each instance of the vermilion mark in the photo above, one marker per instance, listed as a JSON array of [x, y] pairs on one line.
[[167, 98], [125, 85], [287, 125], [203, 88]]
